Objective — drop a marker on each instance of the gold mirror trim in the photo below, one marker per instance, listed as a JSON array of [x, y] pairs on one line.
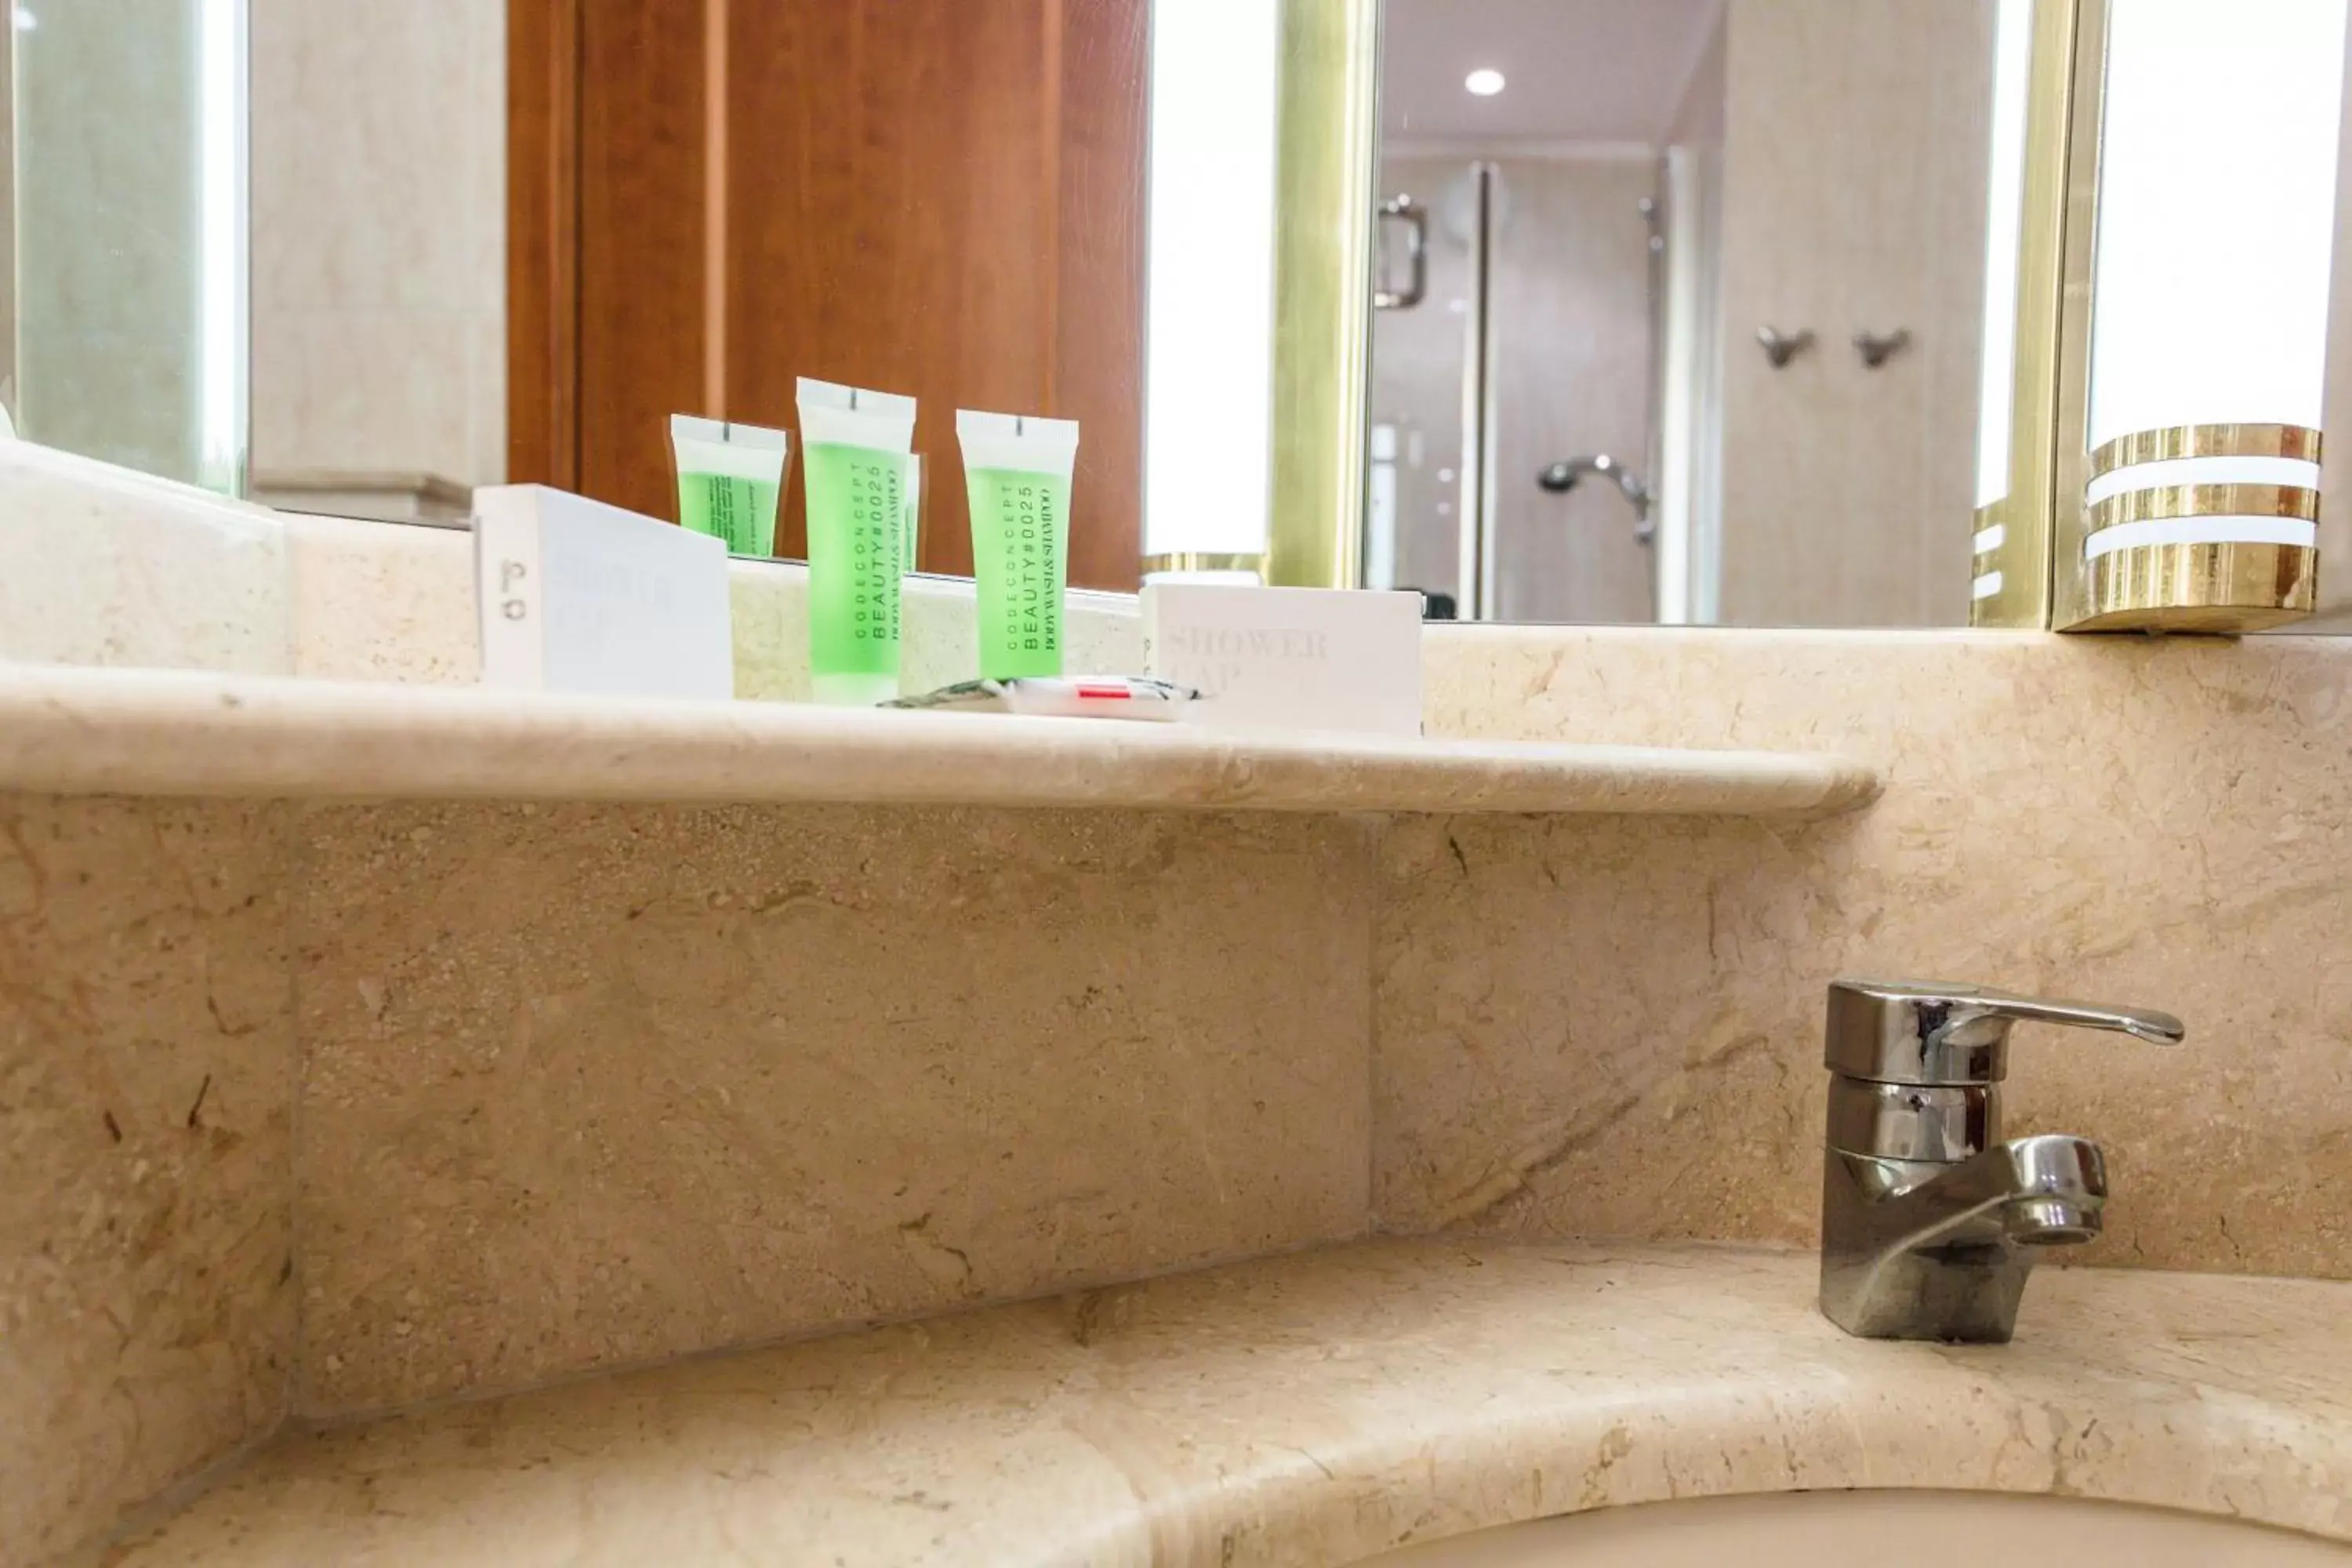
[[2052, 273], [1989, 516], [2201, 587], [2070, 585], [2206, 500], [1329, 141], [1205, 561], [2174, 442]]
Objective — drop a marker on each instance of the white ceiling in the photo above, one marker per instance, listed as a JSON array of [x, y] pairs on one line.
[[1579, 70]]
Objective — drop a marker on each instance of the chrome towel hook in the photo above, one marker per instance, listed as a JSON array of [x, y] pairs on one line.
[[1876, 349], [1780, 350]]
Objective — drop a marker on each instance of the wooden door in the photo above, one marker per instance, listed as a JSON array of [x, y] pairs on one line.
[[710, 198]]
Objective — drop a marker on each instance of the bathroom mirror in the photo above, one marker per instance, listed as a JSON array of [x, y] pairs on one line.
[[363, 257], [1744, 313], [1695, 312], [557, 223], [493, 240], [1803, 312]]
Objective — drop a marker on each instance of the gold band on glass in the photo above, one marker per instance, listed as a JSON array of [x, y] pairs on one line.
[[2300, 442], [2294, 502], [1191, 561], [1990, 516], [2200, 587], [1329, 141], [2207, 587]]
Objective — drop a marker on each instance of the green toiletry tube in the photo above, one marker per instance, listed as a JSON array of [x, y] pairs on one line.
[[856, 451], [1017, 471], [729, 478]]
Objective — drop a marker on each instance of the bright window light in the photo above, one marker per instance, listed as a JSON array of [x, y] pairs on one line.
[[2004, 218], [1208, 402], [2217, 210], [221, 315]]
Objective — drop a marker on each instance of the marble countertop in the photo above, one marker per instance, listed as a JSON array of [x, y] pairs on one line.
[[1323, 1407], [174, 732]]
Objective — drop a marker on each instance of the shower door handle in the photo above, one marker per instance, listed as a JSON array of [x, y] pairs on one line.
[[1415, 218]]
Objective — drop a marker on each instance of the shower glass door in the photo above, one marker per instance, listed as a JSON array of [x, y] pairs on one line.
[[1511, 404]]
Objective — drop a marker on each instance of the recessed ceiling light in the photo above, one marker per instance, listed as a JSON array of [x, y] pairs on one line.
[[1484, 83]]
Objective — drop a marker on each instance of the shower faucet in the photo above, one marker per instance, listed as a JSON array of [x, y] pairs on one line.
[[1563, 477]]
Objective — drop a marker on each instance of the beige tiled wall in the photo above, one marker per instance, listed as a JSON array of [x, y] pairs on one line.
[[379, 243], [585, 1086], [1856, 148]]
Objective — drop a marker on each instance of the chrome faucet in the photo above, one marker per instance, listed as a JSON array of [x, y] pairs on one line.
[[1929, 1223]]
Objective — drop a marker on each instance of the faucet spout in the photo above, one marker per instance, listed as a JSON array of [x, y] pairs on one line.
[[1939, 1250]]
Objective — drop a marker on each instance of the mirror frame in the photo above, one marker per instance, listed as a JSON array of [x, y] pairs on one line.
[[1328, 156], [2068, 67]]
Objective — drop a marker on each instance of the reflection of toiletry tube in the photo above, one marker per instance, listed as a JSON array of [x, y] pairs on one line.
[[857, 446], [914, 510], [1018, 472], [728, 476]]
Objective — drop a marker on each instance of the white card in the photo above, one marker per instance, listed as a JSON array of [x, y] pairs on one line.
[[577, 595], [1290, 658]]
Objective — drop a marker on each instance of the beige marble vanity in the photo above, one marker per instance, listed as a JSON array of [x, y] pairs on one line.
[[1923, 1529], [451, 1128], [405, 1169], [1322, 1409]]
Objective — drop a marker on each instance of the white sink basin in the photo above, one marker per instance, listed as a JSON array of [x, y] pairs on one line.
[[1916, 1530]]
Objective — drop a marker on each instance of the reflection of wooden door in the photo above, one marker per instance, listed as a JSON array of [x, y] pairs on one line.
[[708, 198]]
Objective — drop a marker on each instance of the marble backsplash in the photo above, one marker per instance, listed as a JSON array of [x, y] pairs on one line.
[[376, 601], [587, 1085], [100, 565], [1598, 1027]]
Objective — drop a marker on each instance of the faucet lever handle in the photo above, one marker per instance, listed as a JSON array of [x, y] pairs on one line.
[[1924, 1032], [2140, 1023]]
